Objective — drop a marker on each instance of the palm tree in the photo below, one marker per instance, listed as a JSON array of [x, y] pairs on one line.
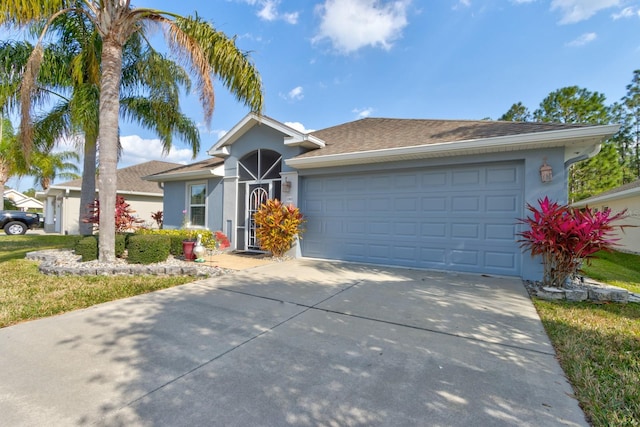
[[10, 164], [47, 166], [150, 90], [202, 48]]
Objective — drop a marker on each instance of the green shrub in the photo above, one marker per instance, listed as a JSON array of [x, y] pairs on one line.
[[209, 238], [121, 244], [87, 247], [147, 249], [176, 245]]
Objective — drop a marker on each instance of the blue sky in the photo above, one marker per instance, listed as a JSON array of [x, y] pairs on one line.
[[326, 62]]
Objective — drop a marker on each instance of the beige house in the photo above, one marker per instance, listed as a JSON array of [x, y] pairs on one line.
[[62, 201], [22, 202], [627, 197]]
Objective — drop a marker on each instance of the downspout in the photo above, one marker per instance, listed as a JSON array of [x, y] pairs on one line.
[[583, 156]]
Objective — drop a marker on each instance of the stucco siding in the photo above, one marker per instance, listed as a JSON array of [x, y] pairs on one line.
[[173, 203], [259, 137], [214, 204], [629, 236]]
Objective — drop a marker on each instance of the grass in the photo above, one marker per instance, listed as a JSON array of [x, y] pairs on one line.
[[26, 294], [598, 345], [616, 268]]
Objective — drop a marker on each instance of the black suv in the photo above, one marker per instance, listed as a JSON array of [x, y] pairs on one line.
[[18, 222]]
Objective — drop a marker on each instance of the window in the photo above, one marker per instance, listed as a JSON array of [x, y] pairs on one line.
[[197, 194]]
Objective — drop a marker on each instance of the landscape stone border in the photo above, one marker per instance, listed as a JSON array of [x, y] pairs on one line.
[[52, 264], [585, 290]]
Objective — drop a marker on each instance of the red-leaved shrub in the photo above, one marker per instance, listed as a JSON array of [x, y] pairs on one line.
[[125, 221], [564, 237]]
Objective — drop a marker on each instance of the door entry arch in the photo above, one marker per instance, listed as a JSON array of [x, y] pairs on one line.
[[259, 180]]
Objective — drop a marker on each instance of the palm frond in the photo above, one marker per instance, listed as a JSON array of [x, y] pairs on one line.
[[231, 65], [164, 119], [24, 12]]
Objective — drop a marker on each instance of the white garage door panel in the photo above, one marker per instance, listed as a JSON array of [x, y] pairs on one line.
[[461, 218]]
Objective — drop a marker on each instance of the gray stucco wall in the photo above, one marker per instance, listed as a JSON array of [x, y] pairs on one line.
[[258, 137], [173, 204], [175, 201]]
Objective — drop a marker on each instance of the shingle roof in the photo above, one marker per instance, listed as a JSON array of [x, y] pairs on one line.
[[381, 133], [607, 194], [201, 166], [130, 178]]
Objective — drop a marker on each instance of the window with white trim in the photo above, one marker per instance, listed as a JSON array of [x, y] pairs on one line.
[[197, 204]]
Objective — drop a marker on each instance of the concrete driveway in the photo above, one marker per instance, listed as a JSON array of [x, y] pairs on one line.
[[300, 343]]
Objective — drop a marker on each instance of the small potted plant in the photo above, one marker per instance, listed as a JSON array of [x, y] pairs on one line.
[[189, 241]]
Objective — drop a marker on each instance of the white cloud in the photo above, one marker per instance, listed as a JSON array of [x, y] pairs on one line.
[[69, 143], [627, 12], [579, 10], [362, 113], [269, 11], [295, 94], [583, 40], [462, 3], [353, 24], [299, 127], [137, 150]]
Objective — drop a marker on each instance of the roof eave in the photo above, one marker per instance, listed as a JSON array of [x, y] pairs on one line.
[[608, 197], [293, 137], [181, 176], [576, 139]]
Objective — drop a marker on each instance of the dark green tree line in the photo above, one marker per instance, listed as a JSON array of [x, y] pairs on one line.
[[618, 161]]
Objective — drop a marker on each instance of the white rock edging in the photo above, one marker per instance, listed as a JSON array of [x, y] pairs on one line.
[[61, 262]]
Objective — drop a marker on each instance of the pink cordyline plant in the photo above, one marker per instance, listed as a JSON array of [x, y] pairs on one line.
[[564, 237]]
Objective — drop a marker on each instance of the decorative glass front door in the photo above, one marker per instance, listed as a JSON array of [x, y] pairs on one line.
[[259, 173], [258, 194]]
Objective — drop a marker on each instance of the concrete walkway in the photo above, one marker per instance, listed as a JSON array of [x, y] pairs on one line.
[[300, 343]]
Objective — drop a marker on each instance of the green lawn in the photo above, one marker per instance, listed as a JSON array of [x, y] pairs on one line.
[[598, 345], [26, 294], [616, 268]]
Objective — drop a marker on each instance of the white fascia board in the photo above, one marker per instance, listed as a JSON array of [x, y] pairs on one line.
[[608, 197], [589, 136], [293, 136], [180, 176], [238, 130], [63, 188], [305, 140], [140, 193]]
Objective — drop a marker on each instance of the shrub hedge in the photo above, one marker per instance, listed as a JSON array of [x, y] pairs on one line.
[[147, 249], [87, 247], [178, 235]]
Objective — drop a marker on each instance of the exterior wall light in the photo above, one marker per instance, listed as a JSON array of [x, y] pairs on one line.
[[286, 185], [546, 172]]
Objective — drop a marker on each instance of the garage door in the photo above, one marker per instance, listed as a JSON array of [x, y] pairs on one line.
[[460, 218]]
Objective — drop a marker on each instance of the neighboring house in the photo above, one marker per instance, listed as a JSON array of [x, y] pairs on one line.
[[627, 197], [23, 202], [62, 201], [439, 194]]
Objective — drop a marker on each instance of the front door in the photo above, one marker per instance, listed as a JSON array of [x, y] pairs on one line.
[[259, 173], [258, 194]]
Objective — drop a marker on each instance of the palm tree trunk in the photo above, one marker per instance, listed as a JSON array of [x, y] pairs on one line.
[[88, 189], [108, 137], [4, 177]]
